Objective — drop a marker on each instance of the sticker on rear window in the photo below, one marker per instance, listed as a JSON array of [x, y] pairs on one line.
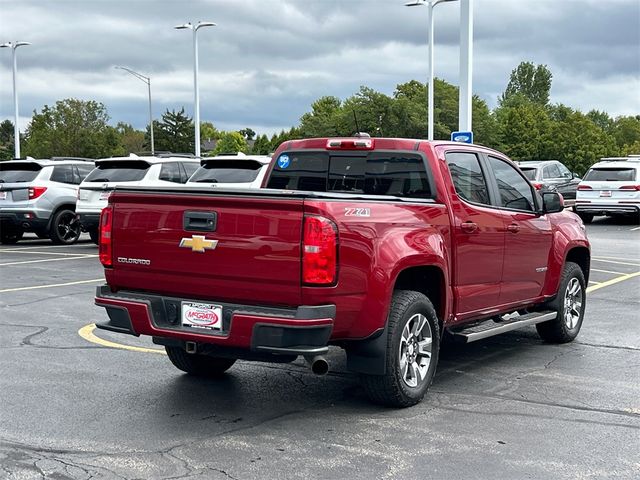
[[283, 161]]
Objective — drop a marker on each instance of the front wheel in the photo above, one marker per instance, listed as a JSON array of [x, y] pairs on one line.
[[65, 229], [413, 345], [570, 303], [198, 365]]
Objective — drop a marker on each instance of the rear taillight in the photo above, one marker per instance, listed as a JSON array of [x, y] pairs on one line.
[[319, 251], [537, 185], [35, 192], [106, 220], [630, 187], [584, 187]]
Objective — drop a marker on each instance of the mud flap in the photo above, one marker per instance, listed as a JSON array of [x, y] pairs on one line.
[[369, 356]]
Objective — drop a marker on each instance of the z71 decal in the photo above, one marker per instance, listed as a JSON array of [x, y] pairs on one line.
[[357, 212]]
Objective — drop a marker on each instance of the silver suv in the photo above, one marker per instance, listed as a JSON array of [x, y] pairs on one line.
[[157, 171], [39, 196]]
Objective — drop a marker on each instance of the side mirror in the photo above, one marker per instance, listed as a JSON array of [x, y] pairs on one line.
[[552, 202]]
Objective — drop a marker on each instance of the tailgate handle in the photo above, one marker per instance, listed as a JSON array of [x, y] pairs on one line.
[[200, 221]]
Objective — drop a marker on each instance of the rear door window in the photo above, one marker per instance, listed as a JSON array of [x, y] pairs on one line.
[[551, 171], [468, 179], [610, 175], [14, 172], [227, 171], [170, 172], [128, 171], [63, 174], [379, 173]]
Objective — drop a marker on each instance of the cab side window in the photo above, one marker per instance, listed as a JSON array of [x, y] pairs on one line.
[[170, 172], [515, 191], [467, 177]]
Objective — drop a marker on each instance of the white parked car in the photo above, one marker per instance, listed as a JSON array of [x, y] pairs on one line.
[[610, 187], [232, 171], [160, 170]]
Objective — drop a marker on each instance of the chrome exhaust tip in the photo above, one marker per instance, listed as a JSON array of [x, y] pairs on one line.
[[319, 365], [191, 347]]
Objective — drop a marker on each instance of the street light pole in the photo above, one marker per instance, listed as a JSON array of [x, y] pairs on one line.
[[466, 66], [16, 130], [196, 90], [430, 6], [146, 80]]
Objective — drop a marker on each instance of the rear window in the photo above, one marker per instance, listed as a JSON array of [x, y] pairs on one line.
[[610, 175], [227, 171], [379, 173], [13, 172], [129, 171], [530, 173]]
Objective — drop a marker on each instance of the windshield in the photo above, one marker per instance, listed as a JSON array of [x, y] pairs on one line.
[[128, 171], [12, 172], [227, 171], [530, 173], [610, 175]]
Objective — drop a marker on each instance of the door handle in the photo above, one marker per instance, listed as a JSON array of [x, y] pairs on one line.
[[199, 221], [469, 227], [513, 228]]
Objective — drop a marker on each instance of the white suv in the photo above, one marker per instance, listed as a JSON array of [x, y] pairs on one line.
[[39, 196], [610, 187], [156, 171], [232, 171]]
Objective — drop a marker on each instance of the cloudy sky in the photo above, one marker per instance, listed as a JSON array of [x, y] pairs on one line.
[[267, 60]]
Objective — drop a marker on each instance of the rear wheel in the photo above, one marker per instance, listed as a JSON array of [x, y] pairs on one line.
[[65, 229], [95, 236], [586, 217], [570, 304], [10, 235], [413, 345], [198, 365]]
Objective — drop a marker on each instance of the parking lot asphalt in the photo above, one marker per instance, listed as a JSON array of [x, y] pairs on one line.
[[78, 403]]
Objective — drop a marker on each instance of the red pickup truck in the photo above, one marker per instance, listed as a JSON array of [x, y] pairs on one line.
[[379, 246]]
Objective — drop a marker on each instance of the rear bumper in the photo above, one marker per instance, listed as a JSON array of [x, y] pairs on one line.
[[603, 209], [28, 220], [89, 221], [302, 331]]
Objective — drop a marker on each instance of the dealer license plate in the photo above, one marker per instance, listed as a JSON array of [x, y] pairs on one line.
[[605, 193], [105, 195], [203, 316], [3, 195]]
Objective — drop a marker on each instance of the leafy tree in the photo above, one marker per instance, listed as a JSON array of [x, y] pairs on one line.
[[71, 127], [231, 142], [131, 140], [522, 129], [175, 133], [6, 140], [323, 120], [531, 81], [601, 119], [283, 136], [209, 132], [626, 131], [261, 146], [247, 133]]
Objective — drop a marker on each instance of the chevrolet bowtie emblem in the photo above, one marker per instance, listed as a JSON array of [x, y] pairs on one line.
[[197, 243]]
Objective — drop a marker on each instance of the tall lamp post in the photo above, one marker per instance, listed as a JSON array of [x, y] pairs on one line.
[[196, 92], [146, 80], [466, 66], [16, 130], [430, 4]]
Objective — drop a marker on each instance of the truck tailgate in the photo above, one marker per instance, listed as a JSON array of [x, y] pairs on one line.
[[158, 246]]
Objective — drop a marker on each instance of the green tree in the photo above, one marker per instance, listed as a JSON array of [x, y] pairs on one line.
[[131, 140], [71, 127], [533, 82], [175, 133], [231, 142], [261, 146], [248, 133], [601, 119], [209, 132], [6, 140], [522, 129], [323, 120], [626, 132]]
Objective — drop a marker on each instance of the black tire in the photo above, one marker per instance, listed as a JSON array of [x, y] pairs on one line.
[[65, 229], [586, 217], [198, 365], [392, 389], [95, 236], [10, 236], [566, 326]]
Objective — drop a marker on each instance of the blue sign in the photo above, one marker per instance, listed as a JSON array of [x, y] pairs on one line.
[[283, 161], [464, 137]]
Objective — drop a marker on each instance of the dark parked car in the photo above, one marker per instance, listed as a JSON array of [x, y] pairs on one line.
[[552, 176]]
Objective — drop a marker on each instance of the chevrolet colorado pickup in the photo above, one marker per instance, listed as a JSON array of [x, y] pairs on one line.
[[379, 246]]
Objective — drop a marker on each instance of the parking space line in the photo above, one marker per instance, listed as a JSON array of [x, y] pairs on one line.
[[52, 285], [595, 283], [607, 271], [634, 229], [613, 281], [616, 262], [612, 258], [46, 246], [86, 332], [47, 260], [31, 252]]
